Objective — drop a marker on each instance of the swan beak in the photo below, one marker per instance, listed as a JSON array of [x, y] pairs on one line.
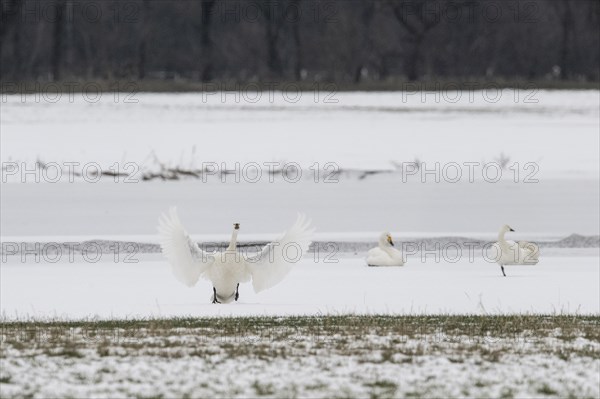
[[389, 239], [511, 229], [236, 226]]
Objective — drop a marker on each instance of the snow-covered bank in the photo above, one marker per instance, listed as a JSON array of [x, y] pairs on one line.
[[357, 131], [328, 285]]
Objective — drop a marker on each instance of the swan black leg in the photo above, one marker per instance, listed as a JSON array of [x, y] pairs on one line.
[[215, 296], [237, 292], [502, 267]]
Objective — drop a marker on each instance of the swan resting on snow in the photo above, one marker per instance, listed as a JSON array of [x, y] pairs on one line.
[[385, 254], [514, 253], [226, 270]]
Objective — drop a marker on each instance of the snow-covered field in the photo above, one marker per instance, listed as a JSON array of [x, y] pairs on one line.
[[315, 357], [558, 130], [567, 282]]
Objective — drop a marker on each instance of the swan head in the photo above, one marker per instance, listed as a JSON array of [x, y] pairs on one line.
[[236, 226], [385, 239], [507, 228]]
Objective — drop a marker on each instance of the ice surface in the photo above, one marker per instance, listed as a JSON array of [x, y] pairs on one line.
[[555, 208]]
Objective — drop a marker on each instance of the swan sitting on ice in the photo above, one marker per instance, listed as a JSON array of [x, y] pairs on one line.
[[385, 254], [514, 253], [226, 270]]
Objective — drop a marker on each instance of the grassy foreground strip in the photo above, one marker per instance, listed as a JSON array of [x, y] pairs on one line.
[[298, 357], [499, 325], [443, 328], [496, 325]]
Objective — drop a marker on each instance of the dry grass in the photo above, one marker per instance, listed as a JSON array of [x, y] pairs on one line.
[[376, 339]]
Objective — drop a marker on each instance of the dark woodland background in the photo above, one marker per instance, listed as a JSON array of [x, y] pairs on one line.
[[347, 42]]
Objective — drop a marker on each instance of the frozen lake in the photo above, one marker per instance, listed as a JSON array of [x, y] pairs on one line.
[[555, 208], [548, 190]]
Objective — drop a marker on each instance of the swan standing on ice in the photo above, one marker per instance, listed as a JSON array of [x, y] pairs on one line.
[[226, 270], [514, 253], [385, 254]]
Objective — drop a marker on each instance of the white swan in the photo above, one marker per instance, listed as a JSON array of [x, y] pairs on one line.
[[226, 270], [385, 254], [514, 253]]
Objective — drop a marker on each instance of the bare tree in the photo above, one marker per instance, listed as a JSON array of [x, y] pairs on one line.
[[10, 13], [143, 44], [206, 42], [298, 61], [272, 30], [366, 18], [414, 18], [57, 45], [564, 11]]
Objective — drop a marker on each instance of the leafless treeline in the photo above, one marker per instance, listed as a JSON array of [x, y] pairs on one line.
[[341, 41]]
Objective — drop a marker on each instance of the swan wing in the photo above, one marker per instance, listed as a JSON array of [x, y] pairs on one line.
[[516, 253], [272, 264], [378, 259], [382, 258], [375, 251], [532, 251], [187, 261], [376, 256], [398, 257], [529, 246]]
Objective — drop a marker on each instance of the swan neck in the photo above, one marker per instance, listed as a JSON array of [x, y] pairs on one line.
[[383, 244], [501, 238], [387, 248], [233, 242]]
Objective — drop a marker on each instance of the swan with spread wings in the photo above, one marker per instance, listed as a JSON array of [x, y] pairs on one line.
[[226, 270]]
